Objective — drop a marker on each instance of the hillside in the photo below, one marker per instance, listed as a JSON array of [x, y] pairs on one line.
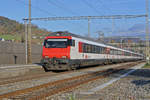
[[13, 30]]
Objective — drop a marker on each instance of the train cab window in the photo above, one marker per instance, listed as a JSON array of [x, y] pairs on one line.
[[55, 43]]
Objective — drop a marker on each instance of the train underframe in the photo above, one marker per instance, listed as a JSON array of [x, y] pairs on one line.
[[69, 64]]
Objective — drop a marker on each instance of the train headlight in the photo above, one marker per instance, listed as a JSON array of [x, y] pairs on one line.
[[46, 56], [64, 56]]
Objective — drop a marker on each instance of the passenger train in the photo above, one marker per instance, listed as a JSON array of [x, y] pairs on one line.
[[66, 51]]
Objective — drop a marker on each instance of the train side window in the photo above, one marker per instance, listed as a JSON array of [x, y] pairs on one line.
[[112, 51], [103, 50], [100, 50], [93, 48], [119, 52], [88, 48], [97, 49], [115, 52], [71, 42], [84, 48]]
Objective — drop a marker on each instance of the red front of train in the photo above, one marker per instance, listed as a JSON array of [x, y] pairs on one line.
[[56, 52], [56, 47]]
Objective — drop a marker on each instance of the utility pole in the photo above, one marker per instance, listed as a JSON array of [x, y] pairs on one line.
[[26, 38], [113, 24], [89, 27], [101, 36], [29, 35], [147, 32], [121, 43]]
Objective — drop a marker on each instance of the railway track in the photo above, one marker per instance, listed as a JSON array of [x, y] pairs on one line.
[[35, 76], [45, 90]]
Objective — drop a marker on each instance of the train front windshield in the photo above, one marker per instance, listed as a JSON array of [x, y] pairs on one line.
[[55, 43]]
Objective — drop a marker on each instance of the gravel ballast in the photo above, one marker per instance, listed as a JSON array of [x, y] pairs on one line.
[[35, 82], [135, 86]]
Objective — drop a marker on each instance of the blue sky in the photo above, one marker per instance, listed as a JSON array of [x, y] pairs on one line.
[[18, 9]]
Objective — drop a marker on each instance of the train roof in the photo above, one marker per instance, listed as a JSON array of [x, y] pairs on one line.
[[65, 33]]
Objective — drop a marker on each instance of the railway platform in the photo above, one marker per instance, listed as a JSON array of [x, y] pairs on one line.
[[9, 70]]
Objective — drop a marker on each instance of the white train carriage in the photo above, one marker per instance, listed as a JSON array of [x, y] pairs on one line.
[[89, 52], [80, 51]]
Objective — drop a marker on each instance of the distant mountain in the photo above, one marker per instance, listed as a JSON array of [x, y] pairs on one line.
[[12, 27], [139, 35], [137, 30]]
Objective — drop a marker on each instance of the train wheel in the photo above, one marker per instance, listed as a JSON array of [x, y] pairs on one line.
[[69, 68], [72, 67], [45, 68]]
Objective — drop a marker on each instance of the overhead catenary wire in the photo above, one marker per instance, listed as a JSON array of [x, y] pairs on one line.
[[90, 6], [100, 4], [90, 17], [57, 4], [61, 6], [36, 8], [107, 9]]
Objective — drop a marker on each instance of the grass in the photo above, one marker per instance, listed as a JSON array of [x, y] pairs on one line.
[[71, 97], [18, 38], [10, 37], [146, 65]]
